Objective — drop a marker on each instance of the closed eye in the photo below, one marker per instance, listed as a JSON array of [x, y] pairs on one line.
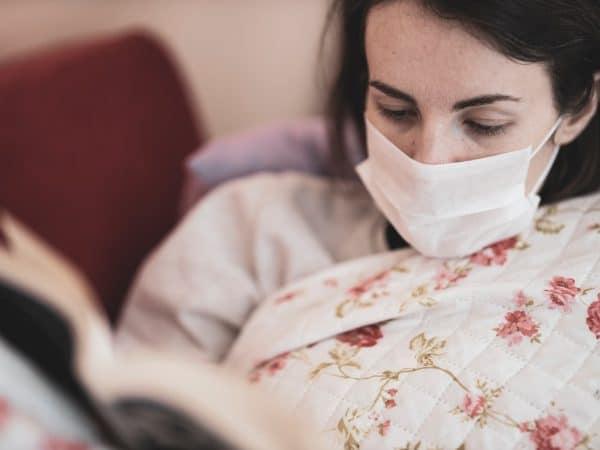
[[402, 115], [397, 114], [486, 130]]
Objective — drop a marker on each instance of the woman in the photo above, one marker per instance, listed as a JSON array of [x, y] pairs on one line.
[[485, 333]]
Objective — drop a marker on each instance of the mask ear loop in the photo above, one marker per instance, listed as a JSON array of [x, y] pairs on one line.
[[540, 181], [547, 137]]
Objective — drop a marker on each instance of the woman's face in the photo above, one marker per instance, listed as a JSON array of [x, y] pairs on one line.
[[442, 95]]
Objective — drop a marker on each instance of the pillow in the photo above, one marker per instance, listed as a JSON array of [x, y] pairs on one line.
[[92, 142], [298, 145]]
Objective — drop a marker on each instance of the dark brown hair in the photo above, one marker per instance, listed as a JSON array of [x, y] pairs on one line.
[[563, 34]]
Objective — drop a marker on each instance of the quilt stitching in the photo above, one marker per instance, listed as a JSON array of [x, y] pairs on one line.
[[553, 327]]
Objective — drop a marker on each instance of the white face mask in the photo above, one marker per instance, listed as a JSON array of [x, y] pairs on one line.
[[453, 210]]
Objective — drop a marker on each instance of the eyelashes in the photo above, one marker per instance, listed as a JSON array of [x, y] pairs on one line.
[[486, 130], [476, 127], [398, 115]]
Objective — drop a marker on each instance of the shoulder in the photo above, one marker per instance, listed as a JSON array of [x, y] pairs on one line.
[[266, 210], [265, 182], [248, 195], [275, 208]]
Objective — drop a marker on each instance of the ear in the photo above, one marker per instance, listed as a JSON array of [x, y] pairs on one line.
[[574, 124]]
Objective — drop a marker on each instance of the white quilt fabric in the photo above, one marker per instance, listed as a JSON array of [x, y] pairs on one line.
[[396, 351]]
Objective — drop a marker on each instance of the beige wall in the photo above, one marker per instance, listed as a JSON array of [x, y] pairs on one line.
[[245, 61]]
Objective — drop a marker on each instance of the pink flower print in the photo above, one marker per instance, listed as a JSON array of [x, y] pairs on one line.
[[473, 406], [383, 427], [560, 301], [277, 363], [365, 286], [593, 318], [388, 398], [495, 254], [521, 299], [271, 366], [564, 285], [5, 412], [554, 433], [286, 297], [447, 277], [562, 293], [56, 443], [517, 325], [390, 403], [366, 336]]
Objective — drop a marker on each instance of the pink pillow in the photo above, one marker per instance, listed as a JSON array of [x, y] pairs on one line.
[[298, 145]]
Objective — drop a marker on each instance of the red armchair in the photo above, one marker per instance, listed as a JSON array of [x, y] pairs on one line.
[[92, 142]]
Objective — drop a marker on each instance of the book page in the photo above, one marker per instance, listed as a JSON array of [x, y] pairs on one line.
[[162, 399], [145, 395]]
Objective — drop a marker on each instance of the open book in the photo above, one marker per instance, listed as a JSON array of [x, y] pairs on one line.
[[146, 400]]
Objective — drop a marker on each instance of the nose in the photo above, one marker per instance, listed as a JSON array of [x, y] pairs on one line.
[[433, 145]]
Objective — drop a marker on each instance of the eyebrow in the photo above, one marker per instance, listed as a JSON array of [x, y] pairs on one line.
[[482, 100]]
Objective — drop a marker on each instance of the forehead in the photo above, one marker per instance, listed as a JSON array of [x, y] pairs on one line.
[[415, 50]]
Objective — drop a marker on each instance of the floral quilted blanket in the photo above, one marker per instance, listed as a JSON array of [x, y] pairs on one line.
[[499, 350]]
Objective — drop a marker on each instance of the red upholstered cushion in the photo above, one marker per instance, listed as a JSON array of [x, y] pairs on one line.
[[92, 142]]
